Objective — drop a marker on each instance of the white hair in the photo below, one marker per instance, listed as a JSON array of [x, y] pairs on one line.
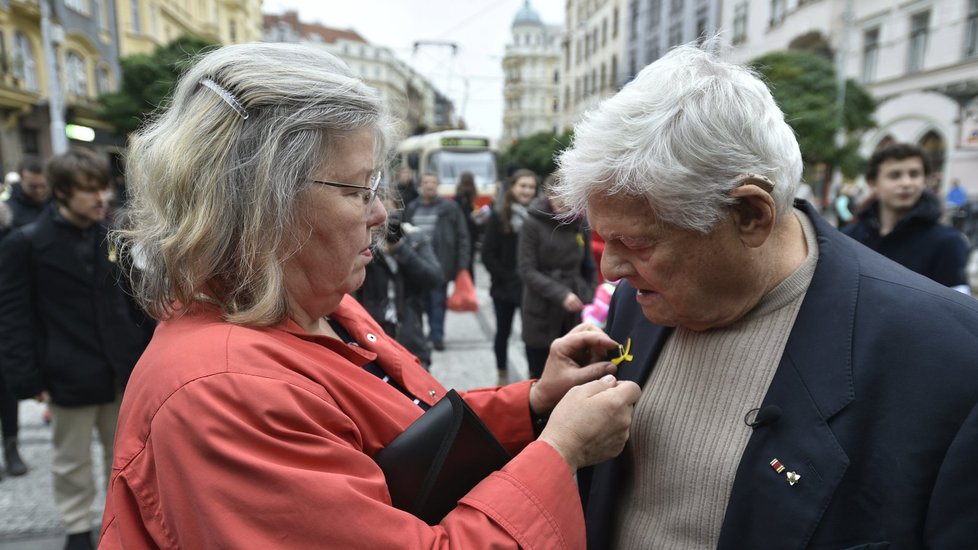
[[679, 135]]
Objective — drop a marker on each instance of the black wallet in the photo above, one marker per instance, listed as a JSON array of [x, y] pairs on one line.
[[439, 458]]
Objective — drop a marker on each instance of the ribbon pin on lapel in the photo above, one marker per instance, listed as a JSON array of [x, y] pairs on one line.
[[792, 477], [624, 353]]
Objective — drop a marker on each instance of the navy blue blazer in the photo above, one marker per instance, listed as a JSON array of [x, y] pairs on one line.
[[878, 386]]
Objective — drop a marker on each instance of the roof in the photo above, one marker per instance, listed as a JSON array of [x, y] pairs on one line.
[[306, 30], [527, 15]]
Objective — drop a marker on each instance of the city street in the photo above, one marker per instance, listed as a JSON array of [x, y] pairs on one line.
[[29, 520]]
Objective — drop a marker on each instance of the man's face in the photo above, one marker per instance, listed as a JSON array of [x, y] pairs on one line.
[[88, 203], [683, 278], [899, 184], [428, 188], [404, 176], [35, 186]]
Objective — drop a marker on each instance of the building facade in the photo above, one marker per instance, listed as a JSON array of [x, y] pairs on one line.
[[85, 47], [919, 59], [88, 37], [146, 24], [591, 56], [654, 26], [413, 100], [532, 77]]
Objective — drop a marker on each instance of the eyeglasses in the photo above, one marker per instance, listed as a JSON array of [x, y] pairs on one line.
[[369, 192]]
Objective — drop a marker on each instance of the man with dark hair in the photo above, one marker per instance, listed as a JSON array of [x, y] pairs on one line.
[[71, 334], [29, 197], [901, 221]]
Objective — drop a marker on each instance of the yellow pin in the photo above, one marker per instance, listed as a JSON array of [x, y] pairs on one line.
[[624, 353]]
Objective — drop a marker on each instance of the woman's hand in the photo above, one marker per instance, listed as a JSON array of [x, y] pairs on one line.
[[572, 303], [591, 422], [575, 358]]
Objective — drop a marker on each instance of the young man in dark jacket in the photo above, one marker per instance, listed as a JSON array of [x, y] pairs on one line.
[[901, 222], [71, 334]]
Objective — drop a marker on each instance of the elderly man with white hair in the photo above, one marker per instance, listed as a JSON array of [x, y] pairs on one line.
[[799, 390]]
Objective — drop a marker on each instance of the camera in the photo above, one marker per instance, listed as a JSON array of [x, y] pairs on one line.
[[394, 230]]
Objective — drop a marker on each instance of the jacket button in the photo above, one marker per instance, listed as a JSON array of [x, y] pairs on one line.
[[432, 393], [371, 337]]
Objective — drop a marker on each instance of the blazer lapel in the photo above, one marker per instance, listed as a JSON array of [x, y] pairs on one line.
[[601, 484], [812, 384]]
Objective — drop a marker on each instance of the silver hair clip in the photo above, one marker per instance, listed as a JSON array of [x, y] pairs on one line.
[[227, 96]]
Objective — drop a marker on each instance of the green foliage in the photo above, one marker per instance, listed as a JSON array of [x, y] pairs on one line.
[[804, 86], [537, 152], [147, 82]]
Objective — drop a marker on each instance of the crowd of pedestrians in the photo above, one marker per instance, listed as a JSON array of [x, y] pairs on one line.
[[213, 357]]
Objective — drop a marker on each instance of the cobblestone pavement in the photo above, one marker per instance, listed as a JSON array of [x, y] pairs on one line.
[[29, 520]]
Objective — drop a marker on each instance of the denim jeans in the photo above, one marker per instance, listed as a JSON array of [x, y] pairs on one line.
[[505, 311], [435, 308]]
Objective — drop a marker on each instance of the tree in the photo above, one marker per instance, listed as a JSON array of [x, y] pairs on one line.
[[537, 152], [148, 81], [804, 86]]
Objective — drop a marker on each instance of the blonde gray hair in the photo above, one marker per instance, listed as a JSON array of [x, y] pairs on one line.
[[213, 193], [681, 135]]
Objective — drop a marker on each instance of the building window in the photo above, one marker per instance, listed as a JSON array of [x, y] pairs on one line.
[[777, 11], [701, 24], [232, 31], [103, 81], [101, 9], [633, 20], [871, 49], [134, 14], [675, 6], [676, 33], [971, 34], [655, 14], [604, 78], [652, 50], [75, 76], [918, 41], [604, 31], [614, 23], [80, 6], [740, 23], [613, 77], [25, 66]]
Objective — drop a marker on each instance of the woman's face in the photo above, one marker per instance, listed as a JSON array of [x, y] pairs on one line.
[[334, 227], [524, 189]]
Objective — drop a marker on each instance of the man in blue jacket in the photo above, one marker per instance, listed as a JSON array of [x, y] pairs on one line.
[[799, 390]]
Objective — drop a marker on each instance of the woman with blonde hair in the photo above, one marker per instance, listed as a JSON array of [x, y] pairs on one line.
[[253, 418]]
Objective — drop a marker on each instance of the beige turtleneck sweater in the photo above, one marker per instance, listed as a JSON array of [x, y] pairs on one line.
[[688, 432]]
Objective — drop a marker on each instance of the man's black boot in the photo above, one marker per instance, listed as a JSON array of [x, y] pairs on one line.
[[11, 457], [80, 541]]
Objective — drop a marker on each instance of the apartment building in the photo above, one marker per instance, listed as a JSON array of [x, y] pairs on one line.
[[591, 56], [532, 77], [413, 100], [918, 58]]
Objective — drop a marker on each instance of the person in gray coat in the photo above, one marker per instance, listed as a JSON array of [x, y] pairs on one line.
[[554, 262], [444, 222]]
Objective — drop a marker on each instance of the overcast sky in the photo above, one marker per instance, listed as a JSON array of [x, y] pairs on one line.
[[481, 28]]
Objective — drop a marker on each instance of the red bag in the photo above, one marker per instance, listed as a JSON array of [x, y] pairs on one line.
[[463, 296]]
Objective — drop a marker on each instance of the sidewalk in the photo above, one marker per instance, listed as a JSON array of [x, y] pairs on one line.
[[29, 519]]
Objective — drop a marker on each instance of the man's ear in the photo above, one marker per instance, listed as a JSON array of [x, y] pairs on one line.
[[754, 214]]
